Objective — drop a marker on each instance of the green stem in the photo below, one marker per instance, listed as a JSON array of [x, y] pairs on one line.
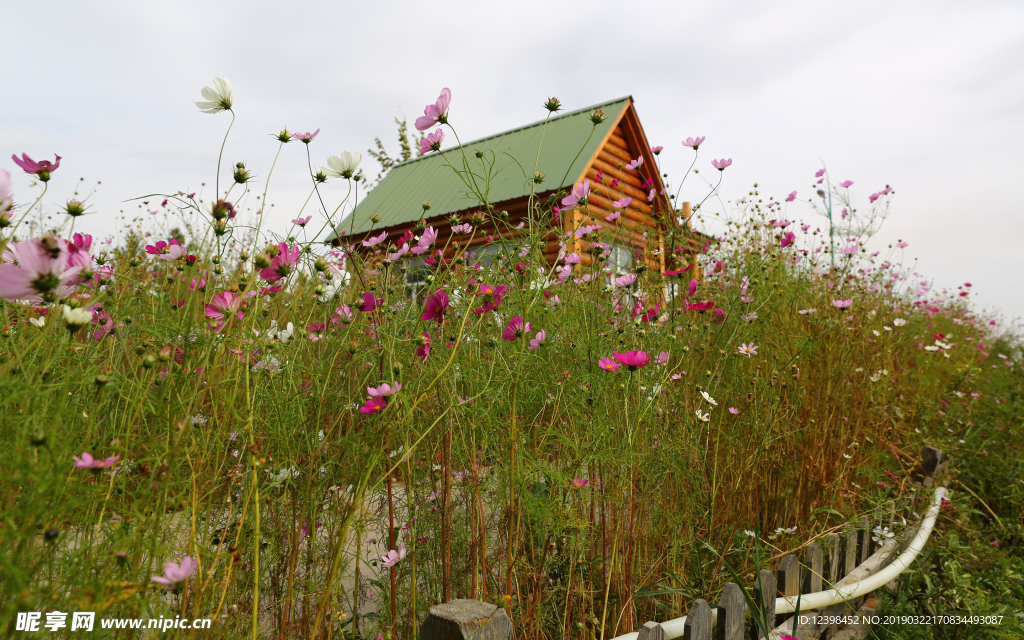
[[216, 195]]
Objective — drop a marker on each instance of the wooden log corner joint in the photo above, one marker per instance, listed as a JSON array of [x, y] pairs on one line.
[[464, 619]]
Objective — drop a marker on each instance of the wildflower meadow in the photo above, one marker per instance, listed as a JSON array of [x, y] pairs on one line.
[[290, 435]]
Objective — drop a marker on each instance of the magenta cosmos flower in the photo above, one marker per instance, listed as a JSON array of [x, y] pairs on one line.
[[608, 364], [175, 572], [491, 295], [787, 240], [633, 360], [391, 558], [694, 142], [282, 264], [579, 483], [579, 194], [223, 305], [707, 305], [39, 269], [437, 304], [370, 302], [41, 169], [374, 405], [721, 164], [306, 137], [432, 141], [791, 197], [436, 113], [88, 462], [427, 238], [515, 329], [424, 349]]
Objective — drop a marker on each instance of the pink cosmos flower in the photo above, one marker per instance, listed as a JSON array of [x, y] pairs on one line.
[[492, 295], [845, 184], [622, 203], [804, 312], [677, 272], [662, 358], [6, 191], [435, 113], [160, 248], [223, 305], [88, 462], [370, 302], [39, 269], [843, 304], [436, 305], [41, 169], [391, 558], [302, 221], [747, 349], [612, 217], [424, 349], [707, 305], [819, 173], [805, 227], [306, 137], [608, 364], [694, 142], [175, 572], [791, 197], [537, 341], [633, 164], [901, 245], [401, 252], [787, 240], [734, 411], [432, 141], [515, 328], [383, 390], [463, 228], [427, 239], [650, 196], [374, 405], [691, 288], [580, 193], [721, 164], [173, 252], [579, 483], [282, 264], [718, 316], [625, 280], [374, 241], [633, 360]]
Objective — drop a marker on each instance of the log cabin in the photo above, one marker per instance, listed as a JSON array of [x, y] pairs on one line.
[[574, 147]]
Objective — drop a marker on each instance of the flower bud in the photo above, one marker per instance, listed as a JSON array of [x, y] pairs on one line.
[[74, 208], [321, 264], [284, 136], [538, 177], [375, 219], [261, 261], [426, 206], [223, 209], [165, 354], [149, 361], [320, 177], [51, 534], [242, 175], [5, 220], [553, 104], [220, 227], [37, 438], [100, 380], [597, 117]]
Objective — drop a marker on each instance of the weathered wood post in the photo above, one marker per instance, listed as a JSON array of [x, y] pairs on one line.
[[698, 621], [731, 608], [849, 553], [651, 631], [788, 579], [863, 540], [813, 562], [832, 547], [764, 598], [461, 619]]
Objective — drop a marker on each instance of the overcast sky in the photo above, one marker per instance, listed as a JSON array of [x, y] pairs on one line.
[[925, 96]]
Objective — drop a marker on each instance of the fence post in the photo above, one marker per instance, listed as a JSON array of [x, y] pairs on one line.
[[813, 561], [849, 553], [834, 549], [764, 598], [698, 622], [730, 613], [460, 619], [864, 540], [651, 631]]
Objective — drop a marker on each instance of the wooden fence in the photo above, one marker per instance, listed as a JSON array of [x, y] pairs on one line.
[[841, 559]]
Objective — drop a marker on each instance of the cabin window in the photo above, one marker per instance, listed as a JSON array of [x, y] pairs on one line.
[[620, 260], [485, 255]]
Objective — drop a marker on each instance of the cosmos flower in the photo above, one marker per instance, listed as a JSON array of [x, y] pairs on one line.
[[608, 364], [435, 113], [343, 166], [579, 194], [88, 462], [41, 169], [536, 342], [175, 572], [694, 142], [843, 304], [392, 557], [633, 360], [437, 304], [38, 269], [791, 197], [373, 241], [721, 164], [432, 141], [306, 137], [218, 98], [515, 329], [747, 349], [492, 296]]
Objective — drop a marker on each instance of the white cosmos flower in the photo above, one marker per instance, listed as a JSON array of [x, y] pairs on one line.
[[343, 166], [749, 533], [707, 397], [703, 417], [899, 322], [75, 319], [219, 97], [38, 322]]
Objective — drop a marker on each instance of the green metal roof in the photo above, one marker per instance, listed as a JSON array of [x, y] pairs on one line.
[[399, 196]]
